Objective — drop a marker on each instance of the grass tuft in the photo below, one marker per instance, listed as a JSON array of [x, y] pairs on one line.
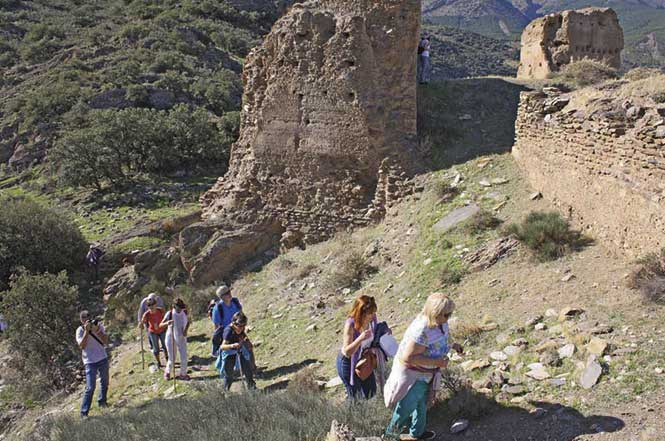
[[548, 235], [586, 73]]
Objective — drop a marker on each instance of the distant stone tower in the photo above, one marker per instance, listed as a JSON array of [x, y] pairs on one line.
[[549, 43]]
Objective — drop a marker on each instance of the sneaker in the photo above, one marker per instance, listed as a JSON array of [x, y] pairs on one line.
[[167, 376], [84, 416], [428, 434], [103, 404]]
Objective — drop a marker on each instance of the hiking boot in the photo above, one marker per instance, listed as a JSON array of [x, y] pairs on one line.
[[184, 377], [103, 404]]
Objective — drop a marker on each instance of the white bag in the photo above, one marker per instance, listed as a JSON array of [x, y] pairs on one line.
[[389, 345]]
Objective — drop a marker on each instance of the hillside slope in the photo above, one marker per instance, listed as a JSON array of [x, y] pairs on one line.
[[297, 305]]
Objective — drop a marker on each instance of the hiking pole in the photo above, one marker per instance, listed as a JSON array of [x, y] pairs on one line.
[[142, 351], [175, 386]]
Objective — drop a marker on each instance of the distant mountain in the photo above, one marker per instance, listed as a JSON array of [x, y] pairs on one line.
[[643, 21]]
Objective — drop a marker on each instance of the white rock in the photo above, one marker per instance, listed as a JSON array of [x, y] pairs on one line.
[[567, 351], [498, 356], [540, 327], [459, 426], [334, 382], [512, 350]]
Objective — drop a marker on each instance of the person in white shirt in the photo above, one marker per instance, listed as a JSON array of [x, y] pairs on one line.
[[424, 61], [176, 338], [92, 339]]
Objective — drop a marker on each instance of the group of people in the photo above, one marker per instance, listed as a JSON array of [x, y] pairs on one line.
[[367, 344], [416, 371]]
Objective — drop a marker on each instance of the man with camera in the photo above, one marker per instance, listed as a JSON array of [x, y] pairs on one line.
[[92, 339]]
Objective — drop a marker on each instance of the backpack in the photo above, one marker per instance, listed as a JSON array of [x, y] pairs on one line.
[[234, 301]]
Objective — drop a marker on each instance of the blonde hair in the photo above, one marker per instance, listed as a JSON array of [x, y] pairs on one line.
[[436, 305]]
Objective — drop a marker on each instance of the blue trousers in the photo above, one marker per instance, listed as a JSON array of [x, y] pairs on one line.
[[411, 410], [155, 340], [91, 370], [360, 389]]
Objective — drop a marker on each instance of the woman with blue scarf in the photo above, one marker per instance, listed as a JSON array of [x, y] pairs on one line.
[[235, 344]]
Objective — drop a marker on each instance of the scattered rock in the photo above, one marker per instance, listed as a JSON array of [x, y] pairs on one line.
[[658, 370], [471, 365], [498, 356], [456, 217], [499, 181], [540, 327], [515, 380], [538, 374], [535, 196], [567, 351], [311, 328], [459, 426], [502, 338], [533, 321], [520, 342], [538, 412], [550, 358], [515, 390], [596, 346], [340, 432], [334, 382], [557, 382], [511, 350], [153, 369], [484, 183], [551, 313], [568, 277], [570, 312], [488, 255], [591, 373]]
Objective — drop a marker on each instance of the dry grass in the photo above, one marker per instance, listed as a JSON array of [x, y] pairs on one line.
[[641, 73], [585, 73], [467, 332]]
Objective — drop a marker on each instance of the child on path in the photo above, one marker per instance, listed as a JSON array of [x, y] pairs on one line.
[[156, 333]]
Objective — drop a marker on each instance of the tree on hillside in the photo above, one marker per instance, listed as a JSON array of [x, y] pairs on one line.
[[38, 239]]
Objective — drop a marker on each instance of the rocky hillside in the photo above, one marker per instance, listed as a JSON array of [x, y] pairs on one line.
[[642, 20], [70, 66]]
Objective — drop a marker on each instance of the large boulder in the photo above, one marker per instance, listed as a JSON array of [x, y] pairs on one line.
[[550, 43]]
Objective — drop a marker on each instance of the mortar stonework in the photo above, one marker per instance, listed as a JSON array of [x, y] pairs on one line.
[[606, 172]]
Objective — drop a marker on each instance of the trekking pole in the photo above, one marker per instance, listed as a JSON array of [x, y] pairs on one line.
[[142, 351], [175, 386]]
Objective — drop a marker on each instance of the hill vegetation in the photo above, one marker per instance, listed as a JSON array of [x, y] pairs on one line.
[[72, 69]]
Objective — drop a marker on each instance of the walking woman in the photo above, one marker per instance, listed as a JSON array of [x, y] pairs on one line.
[[357, 337], [415, 375], [156, 333], [176, 338], [235, 345]]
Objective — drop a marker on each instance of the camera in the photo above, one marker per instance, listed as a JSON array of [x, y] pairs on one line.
[[94, 322]]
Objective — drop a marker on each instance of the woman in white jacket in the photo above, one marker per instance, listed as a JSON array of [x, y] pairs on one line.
[[415, 375], [176, 338]]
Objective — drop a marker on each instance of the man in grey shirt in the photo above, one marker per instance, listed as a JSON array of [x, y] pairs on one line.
[[92, 339]]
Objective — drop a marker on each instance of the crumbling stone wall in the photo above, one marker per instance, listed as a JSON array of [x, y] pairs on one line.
[[604, 166], [328, 128], [549, 43]]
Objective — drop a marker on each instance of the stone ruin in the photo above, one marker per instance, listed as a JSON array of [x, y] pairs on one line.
[[549, 43], [602, 163], [328, 134]]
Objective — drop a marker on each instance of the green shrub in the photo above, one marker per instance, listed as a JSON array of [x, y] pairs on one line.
[[586, 73], [548, 235], [41, 313], [353, 268], [451, 275], [649, 277], [38, 239]]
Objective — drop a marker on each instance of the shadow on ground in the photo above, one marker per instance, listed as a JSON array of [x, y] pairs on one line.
[[554, 422], [459, 120], [286, 370]]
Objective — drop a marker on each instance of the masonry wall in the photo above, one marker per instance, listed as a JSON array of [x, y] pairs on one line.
[[606, 171]]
